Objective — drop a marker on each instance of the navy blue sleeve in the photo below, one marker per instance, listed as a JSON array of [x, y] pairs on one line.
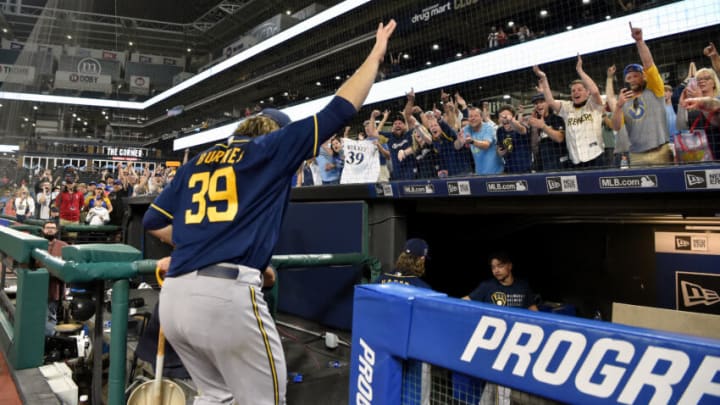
[[333, 117], [301, 139], [154, 219], [478, 294], [448, 130], [160, 212]]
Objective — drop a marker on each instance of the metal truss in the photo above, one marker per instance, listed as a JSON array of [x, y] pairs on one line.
[[57, 16]]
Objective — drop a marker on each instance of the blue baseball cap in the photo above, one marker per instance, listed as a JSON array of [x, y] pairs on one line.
[[633, 67], [92, 183], [416, 247], [278, 116], [537, 97]]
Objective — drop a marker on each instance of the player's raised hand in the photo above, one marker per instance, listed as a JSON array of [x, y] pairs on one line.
[[357, 87]]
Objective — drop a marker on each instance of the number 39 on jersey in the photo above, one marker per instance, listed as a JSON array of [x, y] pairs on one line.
[[215, 197]]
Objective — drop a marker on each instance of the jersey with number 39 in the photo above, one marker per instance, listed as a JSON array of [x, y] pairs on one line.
[[227, 204], [362, 164]]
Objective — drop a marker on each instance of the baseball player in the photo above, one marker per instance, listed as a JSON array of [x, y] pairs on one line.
[[410, 265], [223, 212]]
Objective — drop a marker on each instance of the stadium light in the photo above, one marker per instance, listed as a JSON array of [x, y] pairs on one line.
[[606, 35]]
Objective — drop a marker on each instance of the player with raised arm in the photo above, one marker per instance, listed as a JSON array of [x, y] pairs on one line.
[[223, 213]]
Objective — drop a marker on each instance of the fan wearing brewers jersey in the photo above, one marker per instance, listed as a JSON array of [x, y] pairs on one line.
[[223, 213], [410, 265]]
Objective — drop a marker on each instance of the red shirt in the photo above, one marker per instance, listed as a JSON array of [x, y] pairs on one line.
[[69, 205]]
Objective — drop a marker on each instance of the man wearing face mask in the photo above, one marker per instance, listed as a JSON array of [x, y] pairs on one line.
[[56, 287]]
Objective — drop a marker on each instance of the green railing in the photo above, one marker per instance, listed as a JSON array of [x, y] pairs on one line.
[[23, 325]]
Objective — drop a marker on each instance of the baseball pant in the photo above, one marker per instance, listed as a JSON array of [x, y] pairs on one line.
[[224, 334]]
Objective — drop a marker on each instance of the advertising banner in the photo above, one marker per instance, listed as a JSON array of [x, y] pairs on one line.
[[83, 81], [17, 74], [140, 85], [688, 271]]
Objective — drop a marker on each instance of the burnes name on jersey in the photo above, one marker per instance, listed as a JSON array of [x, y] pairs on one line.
[[228, 156], [597, 365]]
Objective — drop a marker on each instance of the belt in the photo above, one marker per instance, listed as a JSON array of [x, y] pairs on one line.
[[219, 272]]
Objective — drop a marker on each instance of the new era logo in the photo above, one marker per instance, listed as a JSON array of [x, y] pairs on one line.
[[458, 187], [695, 294], [695, 179], [553, 184], [562, 184], [683, 243]]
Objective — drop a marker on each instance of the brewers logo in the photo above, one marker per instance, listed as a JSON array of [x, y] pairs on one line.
[[499, 298]]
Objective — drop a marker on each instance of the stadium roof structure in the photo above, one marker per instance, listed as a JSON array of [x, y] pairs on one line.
[[308, 65]]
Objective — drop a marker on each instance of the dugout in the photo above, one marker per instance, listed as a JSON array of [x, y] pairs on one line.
[[589, 246]]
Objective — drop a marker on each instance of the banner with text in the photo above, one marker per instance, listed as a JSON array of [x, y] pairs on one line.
[[83, 82], [17, 74], [688, 271], [157, 59], [559, 357]]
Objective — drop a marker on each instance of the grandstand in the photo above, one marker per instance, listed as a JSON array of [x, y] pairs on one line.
[[129, 90]]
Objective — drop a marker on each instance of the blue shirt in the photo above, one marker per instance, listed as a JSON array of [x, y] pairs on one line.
[[404, 170], [671, 119], [332, 175], [453, 160], [487, 161], [519, 160], [227, 204]]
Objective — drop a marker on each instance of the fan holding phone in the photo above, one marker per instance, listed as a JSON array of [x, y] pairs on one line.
[[641, 109]]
